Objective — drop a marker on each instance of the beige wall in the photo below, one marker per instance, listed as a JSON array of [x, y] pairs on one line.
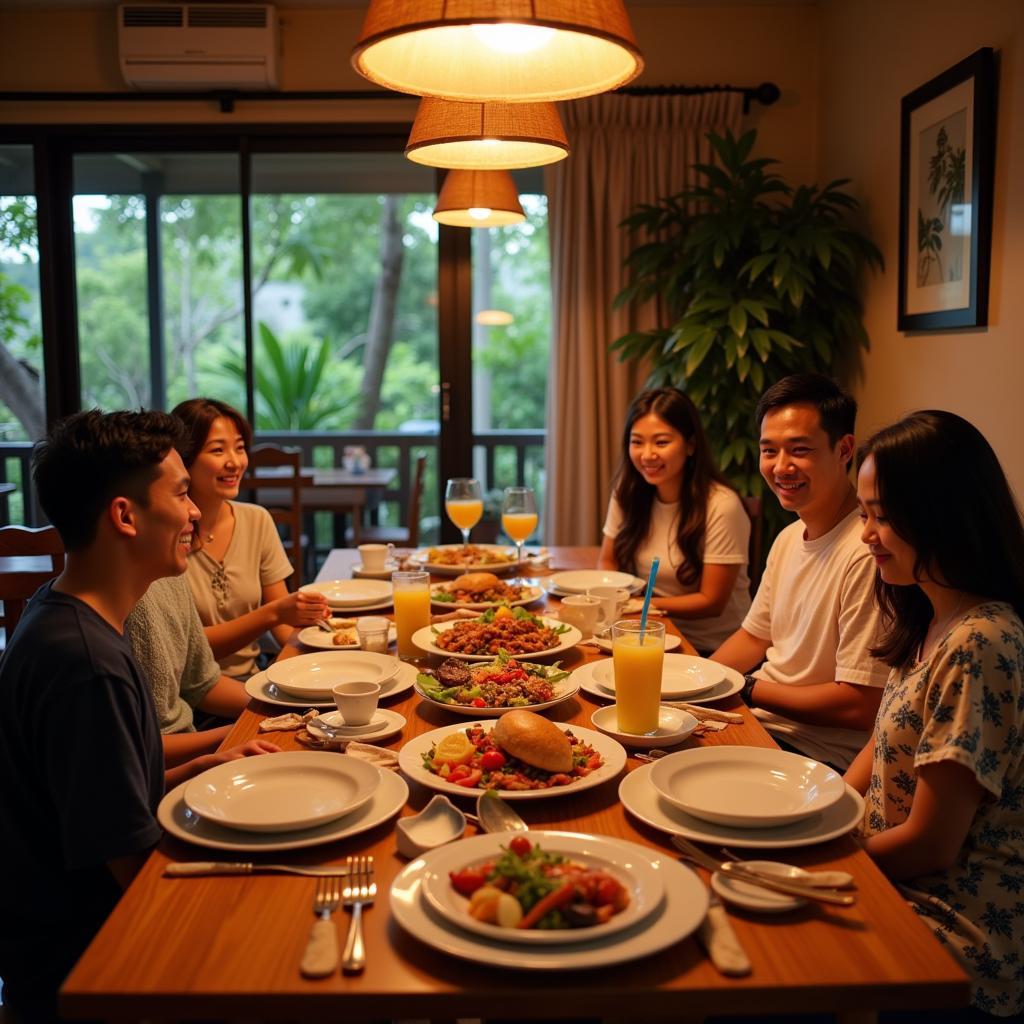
[[873, 52], [742, 45]]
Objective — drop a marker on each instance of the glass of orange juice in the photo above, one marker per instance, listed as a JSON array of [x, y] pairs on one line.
[[519, 517], [637, 658], [412, 609], [464, 503]]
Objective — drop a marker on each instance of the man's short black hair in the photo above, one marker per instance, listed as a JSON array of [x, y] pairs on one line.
[[88, 459], [837, 409]]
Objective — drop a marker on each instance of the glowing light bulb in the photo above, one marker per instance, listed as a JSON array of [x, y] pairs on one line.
[[508, 37], [479, 212]]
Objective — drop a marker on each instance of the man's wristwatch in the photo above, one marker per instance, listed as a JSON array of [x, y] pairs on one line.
[[747, 693]]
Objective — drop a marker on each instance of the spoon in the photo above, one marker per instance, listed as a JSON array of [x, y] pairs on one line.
[[818, 879], [494, 815]]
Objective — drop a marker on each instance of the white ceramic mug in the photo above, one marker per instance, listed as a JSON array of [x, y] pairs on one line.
[[613, 602], [581, 611], [375, 556], [357, 702]]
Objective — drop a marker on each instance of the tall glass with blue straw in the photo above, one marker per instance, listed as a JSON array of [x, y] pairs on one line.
[[638, 655]]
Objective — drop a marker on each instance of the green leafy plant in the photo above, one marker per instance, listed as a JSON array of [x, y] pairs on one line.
[[755, 280]]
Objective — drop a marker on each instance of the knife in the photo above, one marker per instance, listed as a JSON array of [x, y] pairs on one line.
[[195, 868], [719, 940]]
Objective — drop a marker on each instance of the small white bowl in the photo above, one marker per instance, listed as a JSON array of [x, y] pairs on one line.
[[673, 727], [438, 823]]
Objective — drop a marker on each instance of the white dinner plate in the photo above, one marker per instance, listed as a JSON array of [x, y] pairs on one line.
[[683, 909], [683, 676], [746, 787], [421, 557], [295, 789], [641, 799], [178, 820], [533, 593], [313, 676], [673, 727], [579, 581], [260, 687], [356, 593], [424, 639], [410, 760], [314, 636], [384, 723], [563, 690], [584, 675], [627, 862]]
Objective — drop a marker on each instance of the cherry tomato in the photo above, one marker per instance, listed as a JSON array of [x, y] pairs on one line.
[[470, 780], [492, 760], [520, 846], [460, 771], [608, 891], [478, 702], [467, 881]]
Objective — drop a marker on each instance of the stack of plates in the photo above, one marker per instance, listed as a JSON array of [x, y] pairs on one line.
[[281, 801], [312, 677], [756, 797], [579, 581], [667, 903], [261, 687], [354, 595]]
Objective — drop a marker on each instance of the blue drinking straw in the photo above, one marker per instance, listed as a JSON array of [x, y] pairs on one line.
[[647, 599]]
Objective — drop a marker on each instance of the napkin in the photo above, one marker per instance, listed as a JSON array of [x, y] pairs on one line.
[[459, 613], [635, 605], [285, 723], [378, 756]]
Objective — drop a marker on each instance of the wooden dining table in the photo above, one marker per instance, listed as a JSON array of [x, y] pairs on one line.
[[229, 947]]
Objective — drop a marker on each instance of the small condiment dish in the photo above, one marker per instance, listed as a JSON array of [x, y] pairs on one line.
[[438, 823]]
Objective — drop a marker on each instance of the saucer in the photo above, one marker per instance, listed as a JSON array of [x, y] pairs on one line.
[[359, 573], [673, 727], [384, 723], [753, 897]]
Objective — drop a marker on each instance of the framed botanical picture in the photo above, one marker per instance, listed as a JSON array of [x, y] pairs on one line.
[[947, 158]]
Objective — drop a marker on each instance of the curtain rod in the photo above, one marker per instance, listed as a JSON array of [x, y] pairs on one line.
[[766, 93]]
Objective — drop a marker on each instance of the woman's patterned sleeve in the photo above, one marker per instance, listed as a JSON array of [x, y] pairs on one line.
[[974, 706]]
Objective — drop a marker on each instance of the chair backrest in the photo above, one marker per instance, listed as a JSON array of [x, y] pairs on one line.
[[414, 501], [28, 558], [754, 568], [280, 493]]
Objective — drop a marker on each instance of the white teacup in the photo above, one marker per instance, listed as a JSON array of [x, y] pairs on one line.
[[613, 602], [357, 702], [581, 611], [375, 556]]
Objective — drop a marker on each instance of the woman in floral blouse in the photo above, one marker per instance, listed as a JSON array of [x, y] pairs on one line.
[[944, 772]]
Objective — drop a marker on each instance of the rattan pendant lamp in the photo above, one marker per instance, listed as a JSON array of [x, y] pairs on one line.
[[513, 51], [478, 199], [485, 136]]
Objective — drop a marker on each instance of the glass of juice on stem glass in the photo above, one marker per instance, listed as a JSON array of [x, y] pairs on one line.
[[412, 609], [464, 503], [637, 662], [519, 517]]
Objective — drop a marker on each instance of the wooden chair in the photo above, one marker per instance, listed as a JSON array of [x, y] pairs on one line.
[[406, 536], [28, 558], [280, 493], [755, 567]]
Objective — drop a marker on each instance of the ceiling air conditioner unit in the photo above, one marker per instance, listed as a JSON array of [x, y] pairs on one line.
[[198, 46]]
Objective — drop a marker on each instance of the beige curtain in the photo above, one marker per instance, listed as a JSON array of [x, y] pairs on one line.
[[624, 150]]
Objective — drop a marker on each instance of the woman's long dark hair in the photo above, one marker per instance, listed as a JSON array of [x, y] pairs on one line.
[[944, 492], [636, 497], [197, 415]]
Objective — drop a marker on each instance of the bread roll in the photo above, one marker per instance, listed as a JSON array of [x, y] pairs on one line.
[[475, 582], [534, 740]]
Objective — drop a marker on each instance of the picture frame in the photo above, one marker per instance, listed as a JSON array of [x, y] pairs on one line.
[[947, 163]]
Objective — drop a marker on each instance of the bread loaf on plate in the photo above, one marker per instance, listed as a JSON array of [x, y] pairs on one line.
[[475, 582], [534, 740]]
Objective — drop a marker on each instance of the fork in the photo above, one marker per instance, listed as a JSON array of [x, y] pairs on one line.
[[360, 890], [321, 956]]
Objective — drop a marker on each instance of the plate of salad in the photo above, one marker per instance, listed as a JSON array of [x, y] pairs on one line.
[[489, 689], [513, 630], [543, 887]]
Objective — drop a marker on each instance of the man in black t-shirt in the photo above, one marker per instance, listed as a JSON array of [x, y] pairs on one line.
[[81, 761]]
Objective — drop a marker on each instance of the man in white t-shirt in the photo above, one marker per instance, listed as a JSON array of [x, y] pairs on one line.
[[808, 635]]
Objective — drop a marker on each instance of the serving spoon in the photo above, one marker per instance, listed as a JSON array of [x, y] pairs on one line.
[[494, 815]]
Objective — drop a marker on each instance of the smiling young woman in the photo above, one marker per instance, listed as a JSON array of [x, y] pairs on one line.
[[238, 569], [670, 501]]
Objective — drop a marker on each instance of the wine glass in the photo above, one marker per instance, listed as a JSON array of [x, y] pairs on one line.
[[519, 517], [464, 503]]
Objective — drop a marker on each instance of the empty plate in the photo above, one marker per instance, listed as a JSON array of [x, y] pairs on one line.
[[746, 787], [579, 581], [277, 792], [314, 675], [673, 727], [352, 593], [682, 676]]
